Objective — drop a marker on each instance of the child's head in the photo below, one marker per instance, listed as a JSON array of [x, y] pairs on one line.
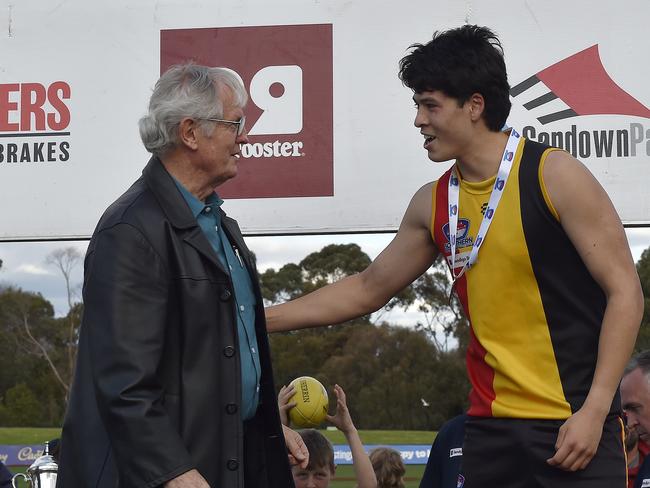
[[388, 467], [321, 467]]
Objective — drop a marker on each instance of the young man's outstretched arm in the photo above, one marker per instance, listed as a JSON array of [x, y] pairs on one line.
[[409, 255]]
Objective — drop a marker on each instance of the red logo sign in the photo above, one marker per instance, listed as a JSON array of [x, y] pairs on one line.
[[34, 107], [287, 71], [582, 83]]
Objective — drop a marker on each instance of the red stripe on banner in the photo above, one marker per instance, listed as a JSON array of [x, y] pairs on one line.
[[583, 84]]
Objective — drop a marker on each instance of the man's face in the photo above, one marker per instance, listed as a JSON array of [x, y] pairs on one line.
[[444, 125], [313, 478], [635, 396], [219, 153]]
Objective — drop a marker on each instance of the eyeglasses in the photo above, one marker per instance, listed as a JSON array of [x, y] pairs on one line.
[[241, 123]]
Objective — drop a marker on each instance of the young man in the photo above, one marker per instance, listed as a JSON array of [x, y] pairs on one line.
[[553, 297]]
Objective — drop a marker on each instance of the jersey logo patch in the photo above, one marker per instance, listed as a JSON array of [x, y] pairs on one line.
[[462, 239], [456, 451], [645, 483]]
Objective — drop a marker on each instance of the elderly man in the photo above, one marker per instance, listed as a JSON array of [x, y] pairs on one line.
[[173, 385], [635, 397]]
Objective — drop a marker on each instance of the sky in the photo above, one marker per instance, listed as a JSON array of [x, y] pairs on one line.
[[24, 263]]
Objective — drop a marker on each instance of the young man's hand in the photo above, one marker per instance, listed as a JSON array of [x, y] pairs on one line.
[[577, 440]]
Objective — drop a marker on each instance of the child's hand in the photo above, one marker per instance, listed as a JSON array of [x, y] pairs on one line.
[[286, 392], [341, 418]]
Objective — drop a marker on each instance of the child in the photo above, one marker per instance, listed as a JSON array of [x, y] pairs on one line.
[[388, 466], [321, 468]]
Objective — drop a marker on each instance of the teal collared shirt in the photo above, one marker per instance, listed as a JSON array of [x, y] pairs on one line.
[[208, 217]]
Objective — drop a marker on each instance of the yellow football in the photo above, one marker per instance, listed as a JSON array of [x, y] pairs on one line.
[[311, 402]]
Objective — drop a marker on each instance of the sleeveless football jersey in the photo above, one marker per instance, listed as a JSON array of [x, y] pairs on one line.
[[534, 309]]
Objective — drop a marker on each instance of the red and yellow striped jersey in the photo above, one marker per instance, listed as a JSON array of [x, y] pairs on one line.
[[535, 311]]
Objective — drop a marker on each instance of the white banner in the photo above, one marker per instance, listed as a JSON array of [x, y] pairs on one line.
[[333, 146]]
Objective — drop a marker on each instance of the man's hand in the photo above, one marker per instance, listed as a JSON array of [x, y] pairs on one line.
[[298, 453], [189, 479], [286, 392], [577, 440], [341, 418]]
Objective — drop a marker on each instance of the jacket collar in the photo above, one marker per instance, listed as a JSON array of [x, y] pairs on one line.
[[161, 184], [178, 213]]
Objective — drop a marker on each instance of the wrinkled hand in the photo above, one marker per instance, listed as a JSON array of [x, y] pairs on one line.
[[286, 392], [189, 479], [577, 441], [298, 453], [341, 418]]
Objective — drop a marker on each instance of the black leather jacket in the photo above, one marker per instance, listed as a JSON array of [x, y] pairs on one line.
[[157, 384]]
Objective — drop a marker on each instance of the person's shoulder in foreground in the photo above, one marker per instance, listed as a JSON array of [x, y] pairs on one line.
[[443, 465]]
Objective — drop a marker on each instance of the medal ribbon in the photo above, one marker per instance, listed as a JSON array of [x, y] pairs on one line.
[[453, 207]]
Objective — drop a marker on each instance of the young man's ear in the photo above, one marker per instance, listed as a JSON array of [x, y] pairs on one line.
[[476, 105], [187, 133]]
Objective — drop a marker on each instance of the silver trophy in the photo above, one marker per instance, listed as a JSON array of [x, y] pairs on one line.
[[42, 472]]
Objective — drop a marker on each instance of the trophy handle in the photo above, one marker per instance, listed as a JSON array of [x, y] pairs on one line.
[[25, 477]]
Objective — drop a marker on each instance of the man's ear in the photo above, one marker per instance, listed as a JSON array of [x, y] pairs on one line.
[[476, 104], [187, 130]]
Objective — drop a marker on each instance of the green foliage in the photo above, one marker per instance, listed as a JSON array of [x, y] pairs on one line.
[[394, 377], [20, 406], [643, 268], [318, 269], [443, 319], [31, 333]]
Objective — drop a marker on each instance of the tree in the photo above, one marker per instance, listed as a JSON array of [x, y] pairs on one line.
[[443, 318], [643, 268], [330, 264], [65, 260], [20, 408], [394, 377], [28, 321], [28, 351]]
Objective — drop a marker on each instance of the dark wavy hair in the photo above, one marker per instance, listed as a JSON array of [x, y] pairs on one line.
[[460, 62]]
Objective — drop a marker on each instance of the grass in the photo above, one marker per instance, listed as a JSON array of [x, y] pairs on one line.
[[344, 473], [385, 436], [28, 435]]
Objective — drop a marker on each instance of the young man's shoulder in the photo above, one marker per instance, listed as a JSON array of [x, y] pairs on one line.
[[421, 203]]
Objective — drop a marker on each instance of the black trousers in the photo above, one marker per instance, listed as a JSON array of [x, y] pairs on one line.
[[512, 453], [255, 475]]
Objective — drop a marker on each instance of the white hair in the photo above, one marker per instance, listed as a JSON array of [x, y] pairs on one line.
[[187, 90]]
